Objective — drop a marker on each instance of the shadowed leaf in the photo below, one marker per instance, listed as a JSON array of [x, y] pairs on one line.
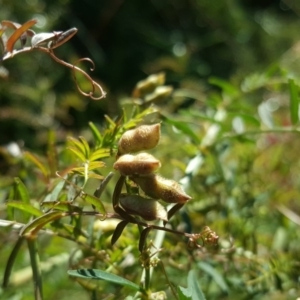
[[118, 231]]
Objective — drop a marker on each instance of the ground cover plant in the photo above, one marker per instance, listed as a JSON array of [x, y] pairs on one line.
[[185, 192]]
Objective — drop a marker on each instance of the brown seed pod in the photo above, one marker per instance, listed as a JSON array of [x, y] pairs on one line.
[[140, 164], [148, 209], [158, 187], [141, 138]]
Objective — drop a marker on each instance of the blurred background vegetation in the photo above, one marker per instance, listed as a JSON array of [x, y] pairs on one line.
[[232, 64]]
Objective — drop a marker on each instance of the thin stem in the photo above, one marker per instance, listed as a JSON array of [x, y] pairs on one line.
[[36, 270]]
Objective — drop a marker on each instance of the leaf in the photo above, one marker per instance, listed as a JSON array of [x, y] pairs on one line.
[[38, 223], [57, 190], [226, 86], [194, 287], [294, 101], [96, 165], [217, 277], [143, 238], [43, 37], [25, 207], [118, 231], [96, 133], [77, 144], [98, 274], [61, 205], [22, 190], [265, 115], [184, 293], [17, 34], [184, 127], [78, 153], [95, 202], [86, 146], [39, 164], [100, 153]]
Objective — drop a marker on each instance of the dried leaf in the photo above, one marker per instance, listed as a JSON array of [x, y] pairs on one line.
[[17, 34]]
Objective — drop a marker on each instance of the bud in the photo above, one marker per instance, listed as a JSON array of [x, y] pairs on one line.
[[148, 209], [158, 187], [141, 138], [148, 85], [140, 164], [160, 93]]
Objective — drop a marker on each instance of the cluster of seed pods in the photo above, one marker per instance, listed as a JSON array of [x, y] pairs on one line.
[[142, 168]]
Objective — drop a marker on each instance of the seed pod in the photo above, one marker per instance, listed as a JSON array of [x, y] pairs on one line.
[[140, 164], [158, 187], [142, 138], [148, 209]]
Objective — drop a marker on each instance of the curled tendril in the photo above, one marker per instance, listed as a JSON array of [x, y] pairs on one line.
[[95, 85]]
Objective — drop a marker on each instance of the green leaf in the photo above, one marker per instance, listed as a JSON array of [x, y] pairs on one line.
[[98, 274], [78, 153], [39, 164], [100, 153], [22, 190], [86, 146], [96, 133], [184, 293], [226, 86], [217, 277], [57, 190], [194, 287], [294, 101], [74, 143], [27, 207], [95, 202], [38, 223], [184, 127], [96, 165]]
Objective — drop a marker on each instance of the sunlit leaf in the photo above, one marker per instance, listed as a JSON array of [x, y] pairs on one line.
[[38, 223], [96, 133], [38, 163], [100, 153], [78, 153], [184, 128], [58, 188], [95, 202], [26, 207], [77, 144], [99, 274], [17, 34], [96, 165], [43, 38], [86, 146], [294, 101], [22, 190]]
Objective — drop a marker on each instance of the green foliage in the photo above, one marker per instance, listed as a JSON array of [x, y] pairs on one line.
[[228, 105]]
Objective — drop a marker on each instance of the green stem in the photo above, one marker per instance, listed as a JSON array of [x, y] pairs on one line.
[[36, 270]]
